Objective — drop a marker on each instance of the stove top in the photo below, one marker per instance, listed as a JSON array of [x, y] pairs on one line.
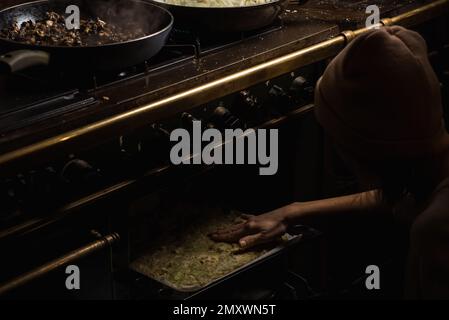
[[349, 14], [29, 99], [38, 103]]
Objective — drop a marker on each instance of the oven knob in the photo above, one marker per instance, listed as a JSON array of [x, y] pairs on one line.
[[301, 88], [137, 151], [222, 118], [249, 100], [298, 84], [129, 151], [187, 120], [248, 108], [157, 138], [159, 131], [276, 91], [79, 172], [280, 100]]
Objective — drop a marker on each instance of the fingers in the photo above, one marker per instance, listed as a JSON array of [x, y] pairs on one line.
[[230, 234], [239, 224], [251, 240], [230, 228], [261, 237], [234, 233]]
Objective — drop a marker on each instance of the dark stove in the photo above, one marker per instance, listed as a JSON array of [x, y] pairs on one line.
[[109, 183], [39, 103], [350, 14], [35, 103]]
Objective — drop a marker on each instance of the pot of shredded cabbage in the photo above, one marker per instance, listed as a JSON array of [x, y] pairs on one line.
[[223, 16]]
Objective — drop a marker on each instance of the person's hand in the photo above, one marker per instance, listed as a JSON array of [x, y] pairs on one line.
[[254, 230]]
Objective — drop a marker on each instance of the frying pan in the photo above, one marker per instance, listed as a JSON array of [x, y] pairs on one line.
[[155, 21], [226, 19]]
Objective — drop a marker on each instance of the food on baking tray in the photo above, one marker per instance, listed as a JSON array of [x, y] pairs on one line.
[[52, 31], [216, 3], [190, 259]]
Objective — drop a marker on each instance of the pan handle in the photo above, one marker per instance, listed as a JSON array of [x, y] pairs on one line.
[[21, 59]]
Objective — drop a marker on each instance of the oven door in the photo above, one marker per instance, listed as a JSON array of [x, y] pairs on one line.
[[64, 260], [222, 189]]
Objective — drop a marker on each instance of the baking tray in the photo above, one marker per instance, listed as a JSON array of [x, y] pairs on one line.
[[294, 236]]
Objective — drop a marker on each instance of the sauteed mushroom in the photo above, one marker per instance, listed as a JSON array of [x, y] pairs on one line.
[[52, 31]]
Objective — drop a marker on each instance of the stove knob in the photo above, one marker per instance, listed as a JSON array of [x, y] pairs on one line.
[[187, 120], [249, 100], [248, 108], [301, 89], [158, 138], [129, 149], [222, 118], [78, 172], [160, 132], [276, 91], [298, 84], [280, 100], [137, 152]]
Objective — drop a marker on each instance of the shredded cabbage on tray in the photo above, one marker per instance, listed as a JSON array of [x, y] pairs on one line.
[[190, 260], [216, 3]]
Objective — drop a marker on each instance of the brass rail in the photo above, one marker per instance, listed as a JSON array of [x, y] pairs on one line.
[[52, 265], [215, 89]]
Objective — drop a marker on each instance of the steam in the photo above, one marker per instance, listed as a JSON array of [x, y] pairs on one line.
[[127, 14]]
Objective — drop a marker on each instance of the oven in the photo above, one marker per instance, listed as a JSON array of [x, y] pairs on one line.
[[116, 220], [86, 176]]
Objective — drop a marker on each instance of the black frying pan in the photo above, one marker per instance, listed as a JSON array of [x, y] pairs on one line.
[[154, 20], [226, 19]]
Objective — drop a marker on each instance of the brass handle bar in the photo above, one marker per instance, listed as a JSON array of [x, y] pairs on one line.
[[54, 264]]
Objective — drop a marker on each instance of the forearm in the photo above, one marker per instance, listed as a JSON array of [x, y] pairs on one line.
[[365, 202], [269, 226]]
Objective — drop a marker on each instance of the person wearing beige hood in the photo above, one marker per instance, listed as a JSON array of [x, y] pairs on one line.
[[379, 101]]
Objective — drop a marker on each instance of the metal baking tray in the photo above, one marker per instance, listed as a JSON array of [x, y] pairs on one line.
[[294, 236]]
